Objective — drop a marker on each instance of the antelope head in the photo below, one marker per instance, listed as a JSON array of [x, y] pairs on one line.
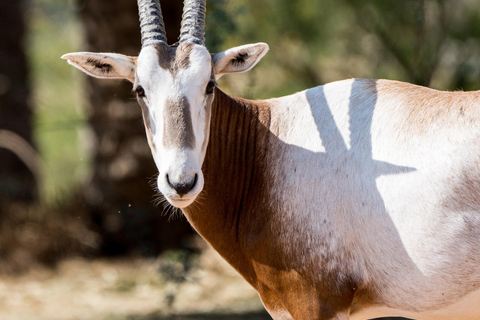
[[175, 87]]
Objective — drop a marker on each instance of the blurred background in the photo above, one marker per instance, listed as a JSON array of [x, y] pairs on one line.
[[81, 235]]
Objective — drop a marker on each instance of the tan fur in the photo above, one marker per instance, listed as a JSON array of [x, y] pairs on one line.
[[426, 109]]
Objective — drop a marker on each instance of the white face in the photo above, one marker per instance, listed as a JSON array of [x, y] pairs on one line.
[[175, 88]]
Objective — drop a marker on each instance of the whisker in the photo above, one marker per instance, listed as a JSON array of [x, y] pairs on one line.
[[195, 206], [175, 214], [157, 198], [167, 208]]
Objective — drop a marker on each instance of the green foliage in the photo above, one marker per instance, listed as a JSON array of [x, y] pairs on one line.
[[429, 42], [60, 126], [221, 23], [412, 32]]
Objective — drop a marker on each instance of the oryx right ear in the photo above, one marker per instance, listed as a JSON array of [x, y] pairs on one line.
[[104, 65]]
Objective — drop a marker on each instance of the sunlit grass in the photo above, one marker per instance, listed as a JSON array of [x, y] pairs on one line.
[[59, 121]]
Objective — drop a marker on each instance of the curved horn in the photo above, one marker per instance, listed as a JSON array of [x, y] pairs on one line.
[[193, 22], [151, 22]]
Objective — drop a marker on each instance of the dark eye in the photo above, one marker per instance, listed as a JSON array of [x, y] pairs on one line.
[[210, 87], [140, 91]]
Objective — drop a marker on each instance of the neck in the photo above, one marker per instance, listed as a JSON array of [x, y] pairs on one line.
[[234, 204]]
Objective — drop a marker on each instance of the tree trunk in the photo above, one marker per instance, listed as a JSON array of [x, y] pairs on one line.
[[17, 182], [119, 193]]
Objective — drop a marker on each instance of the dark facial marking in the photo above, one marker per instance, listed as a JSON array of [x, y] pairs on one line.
[[178, 128], [240, 58], [174, 58], [182, 59], [104, 67], [208, 111], [147, 121], [178, 124]]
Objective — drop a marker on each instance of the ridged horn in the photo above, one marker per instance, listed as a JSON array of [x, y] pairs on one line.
[[193, 21], [151, 22]]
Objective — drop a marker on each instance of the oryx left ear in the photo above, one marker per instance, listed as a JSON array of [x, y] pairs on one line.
[[238, 59], [104, 65]]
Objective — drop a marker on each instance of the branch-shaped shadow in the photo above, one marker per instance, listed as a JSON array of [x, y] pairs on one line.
[[356, 169], [360, 119], [328, 200]]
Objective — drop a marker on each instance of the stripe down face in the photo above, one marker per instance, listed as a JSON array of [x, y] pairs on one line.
[[174, 88]]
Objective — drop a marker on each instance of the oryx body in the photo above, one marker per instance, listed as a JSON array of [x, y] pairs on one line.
[[356, 199]]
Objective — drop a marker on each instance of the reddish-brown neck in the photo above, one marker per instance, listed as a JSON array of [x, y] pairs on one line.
[[233, 206], [239, 217]]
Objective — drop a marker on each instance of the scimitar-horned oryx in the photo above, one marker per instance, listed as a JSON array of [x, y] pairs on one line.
[[352, 200]]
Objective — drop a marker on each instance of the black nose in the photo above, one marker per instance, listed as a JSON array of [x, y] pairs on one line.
[[182, 188]]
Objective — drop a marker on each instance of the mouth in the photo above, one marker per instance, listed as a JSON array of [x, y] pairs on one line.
[[180, 203], [175, 194]]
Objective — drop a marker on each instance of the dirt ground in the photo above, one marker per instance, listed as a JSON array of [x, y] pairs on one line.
[[173, 286]]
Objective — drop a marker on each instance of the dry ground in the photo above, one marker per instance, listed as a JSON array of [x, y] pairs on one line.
[[131, 289]]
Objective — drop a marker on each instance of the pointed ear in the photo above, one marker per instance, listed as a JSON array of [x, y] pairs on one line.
[[104, 65], [238, 59]]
